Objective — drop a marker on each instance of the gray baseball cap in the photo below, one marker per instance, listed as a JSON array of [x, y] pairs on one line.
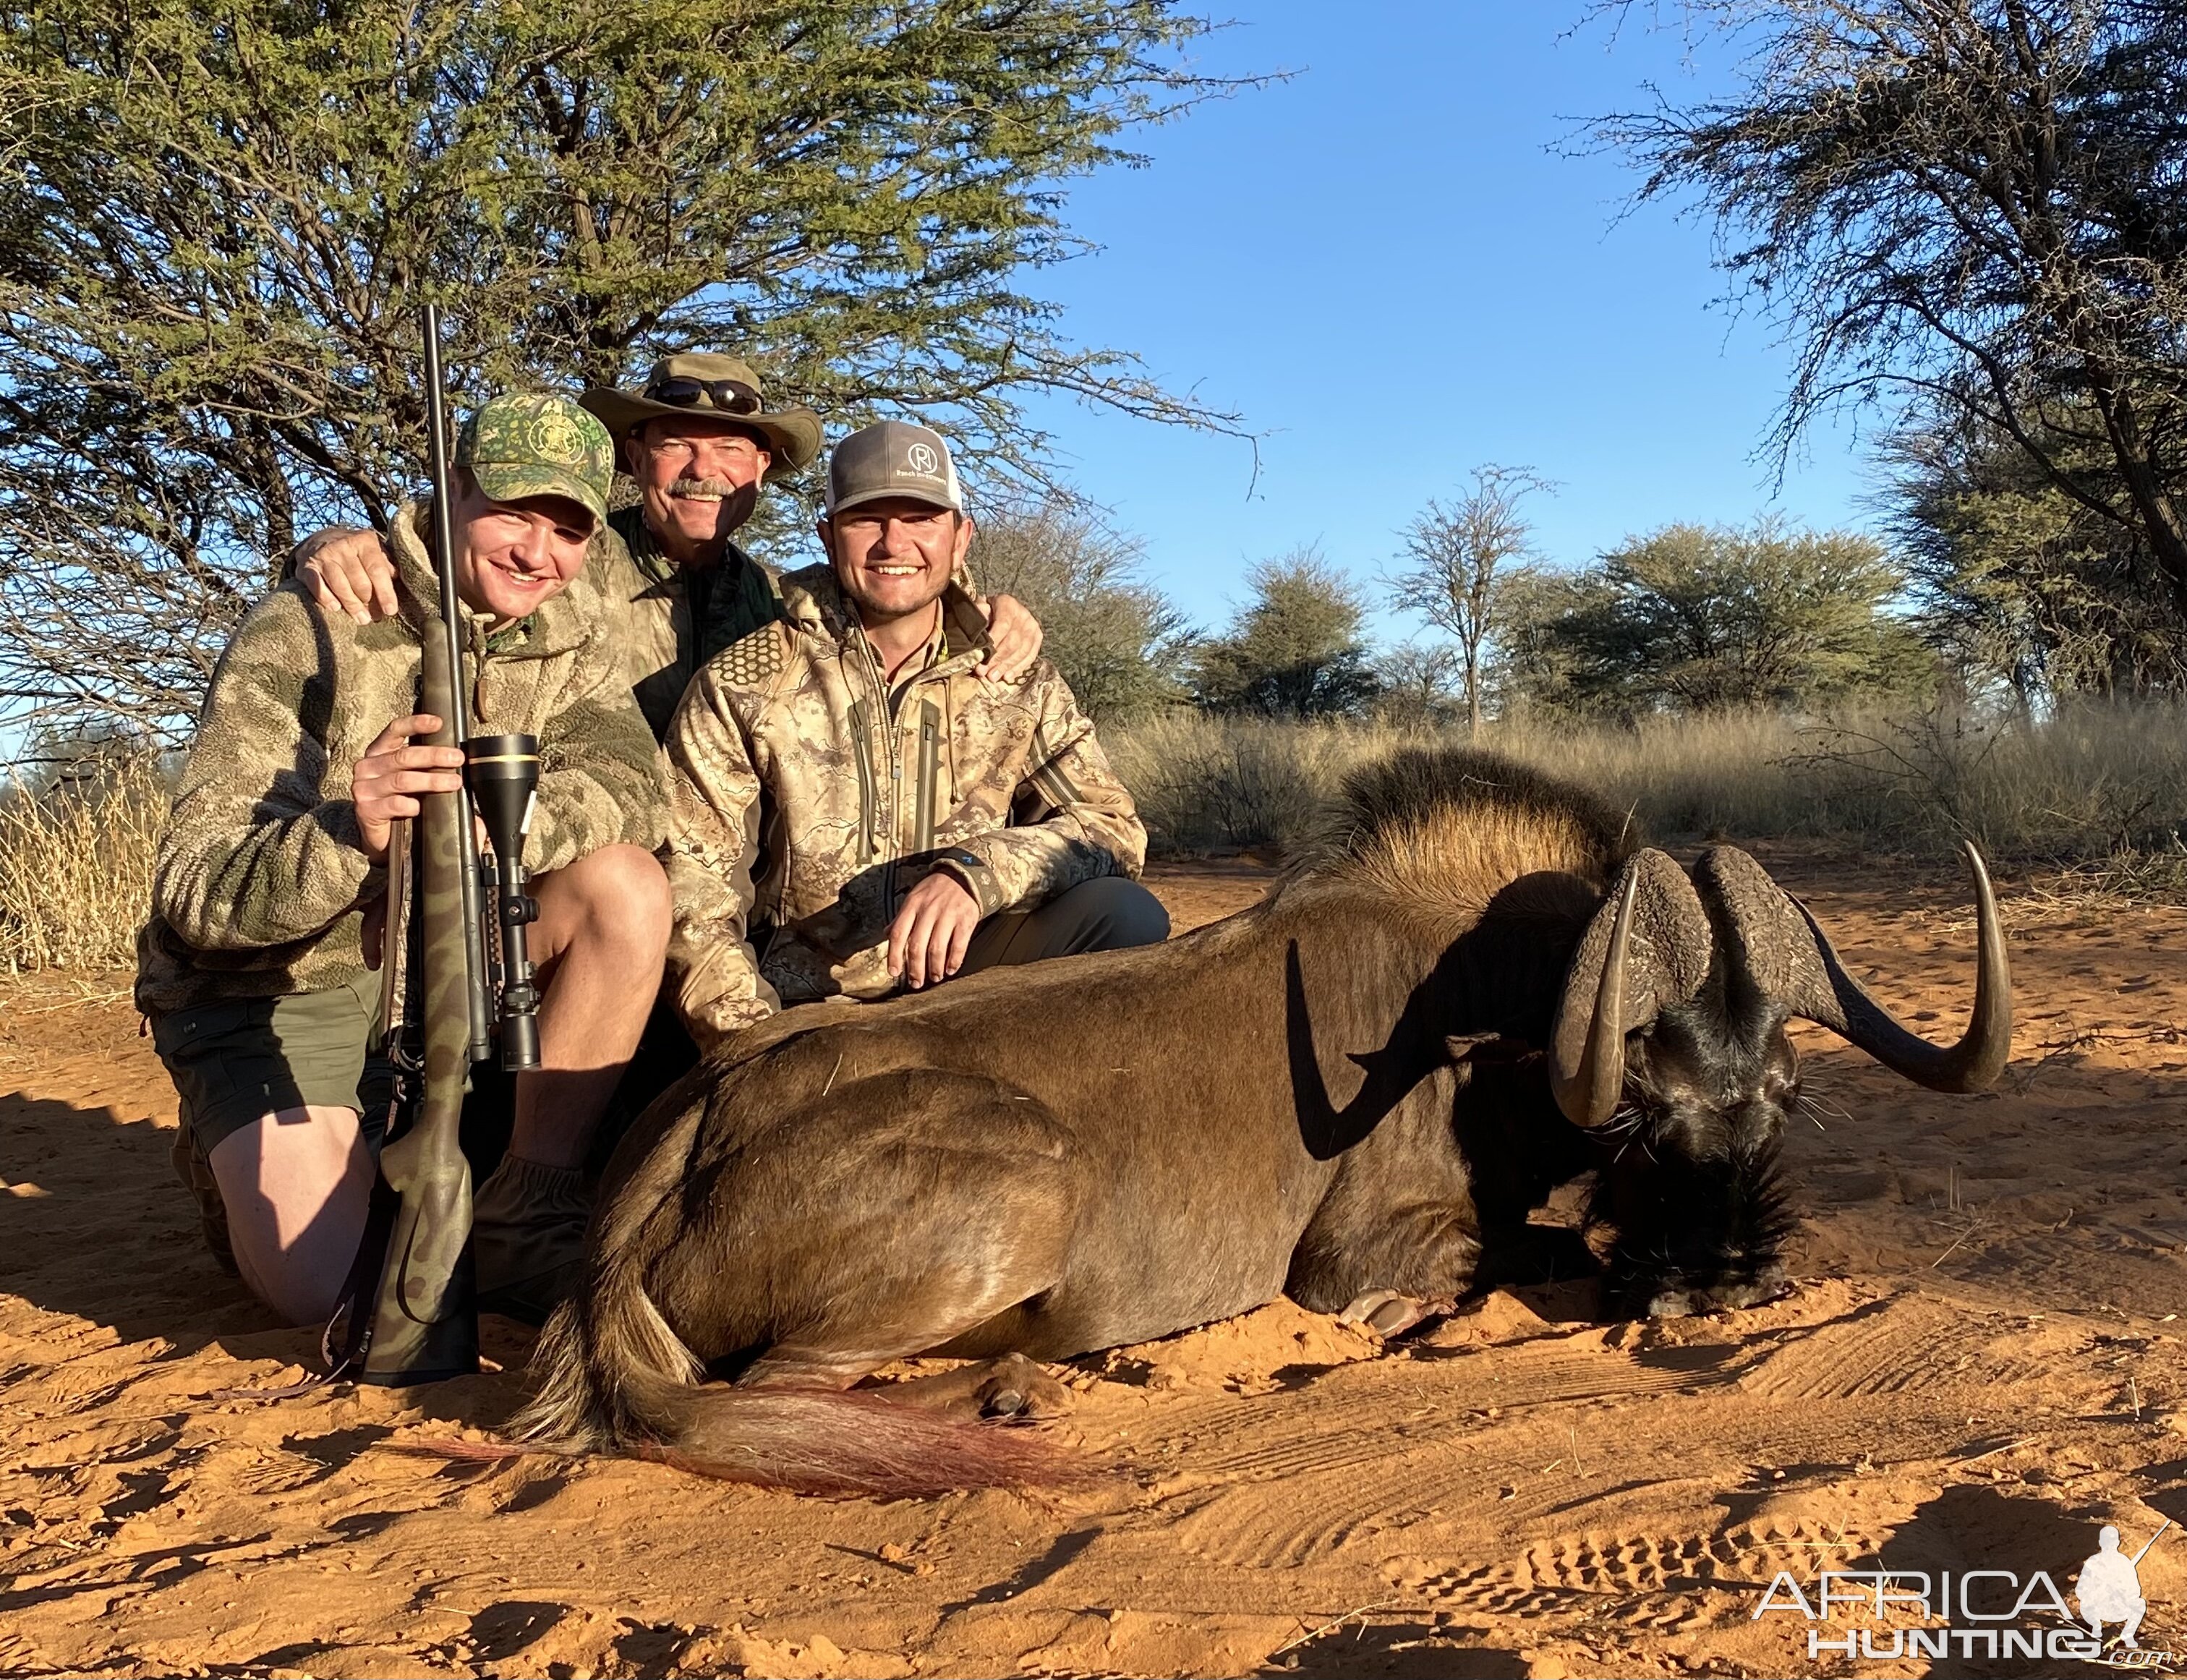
[[892, 457]]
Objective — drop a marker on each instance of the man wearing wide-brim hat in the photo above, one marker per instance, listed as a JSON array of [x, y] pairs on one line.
[[698, 440]]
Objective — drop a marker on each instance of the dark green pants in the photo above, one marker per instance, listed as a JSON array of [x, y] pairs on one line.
[[234, 1062], [1109, 914]]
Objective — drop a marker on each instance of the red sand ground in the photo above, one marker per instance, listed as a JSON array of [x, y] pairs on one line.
[[1980, 1365]]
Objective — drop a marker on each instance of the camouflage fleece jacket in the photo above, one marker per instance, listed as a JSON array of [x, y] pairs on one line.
[[261, 880], [805, 798]]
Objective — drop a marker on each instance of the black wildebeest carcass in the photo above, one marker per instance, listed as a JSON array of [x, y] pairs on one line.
[[1472, 990]]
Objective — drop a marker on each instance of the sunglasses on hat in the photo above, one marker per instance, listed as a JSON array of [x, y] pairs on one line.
[[726, 396]]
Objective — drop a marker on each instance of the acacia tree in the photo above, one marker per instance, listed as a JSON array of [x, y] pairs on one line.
[[1296, 649], [1694, 619], [1420, 684], [2024, 591], [1457, 558], [1118, 641], [1968, 209], [215, 222]]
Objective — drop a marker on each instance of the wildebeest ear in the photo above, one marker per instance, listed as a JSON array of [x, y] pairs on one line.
[[1653, 913]]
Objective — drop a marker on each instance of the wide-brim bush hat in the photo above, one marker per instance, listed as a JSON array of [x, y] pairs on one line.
[[719, 387]]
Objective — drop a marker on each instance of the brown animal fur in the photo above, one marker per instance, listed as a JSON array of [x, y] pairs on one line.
[[850, 1186], [1438, 835], [1342, 1090]]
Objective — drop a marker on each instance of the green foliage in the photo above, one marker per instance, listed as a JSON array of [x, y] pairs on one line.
[[1969, 210], [1696, 619], [215, 222], [1119, 643], [2023, 589], [1296, 649]]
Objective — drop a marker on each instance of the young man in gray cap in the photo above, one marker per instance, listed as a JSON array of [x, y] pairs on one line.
[[699, 440], [852, 811]]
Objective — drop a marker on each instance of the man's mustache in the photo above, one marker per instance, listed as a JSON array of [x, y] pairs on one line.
[[705, 486]]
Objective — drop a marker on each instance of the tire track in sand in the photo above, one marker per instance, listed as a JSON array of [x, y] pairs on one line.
[[1905, 1344], [1447, 1454]]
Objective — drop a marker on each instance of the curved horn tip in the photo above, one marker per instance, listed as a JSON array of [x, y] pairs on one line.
[[1992, 1025], [1588, 1094]]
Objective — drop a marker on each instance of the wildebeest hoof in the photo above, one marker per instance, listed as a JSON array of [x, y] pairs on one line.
[[1010, 1386], [1386, 1313], [1014, 1387]]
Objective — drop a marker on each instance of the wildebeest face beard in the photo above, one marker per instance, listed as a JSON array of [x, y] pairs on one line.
[[1690, 1179]]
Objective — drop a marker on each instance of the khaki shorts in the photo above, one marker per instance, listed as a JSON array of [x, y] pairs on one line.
[[235, 1062]]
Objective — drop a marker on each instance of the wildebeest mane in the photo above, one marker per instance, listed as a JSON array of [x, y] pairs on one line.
[[1440, 831]]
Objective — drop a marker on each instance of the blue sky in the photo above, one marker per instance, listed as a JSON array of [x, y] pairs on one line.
[[1385, 267]]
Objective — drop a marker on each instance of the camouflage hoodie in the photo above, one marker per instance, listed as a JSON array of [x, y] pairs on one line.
[[260, 881], [806, 799]]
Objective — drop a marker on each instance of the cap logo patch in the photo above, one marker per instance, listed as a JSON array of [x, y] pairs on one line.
[[555, 436], [921, 459]]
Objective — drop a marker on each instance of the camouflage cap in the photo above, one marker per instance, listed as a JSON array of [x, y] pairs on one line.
[[527, 444], [892, 457]]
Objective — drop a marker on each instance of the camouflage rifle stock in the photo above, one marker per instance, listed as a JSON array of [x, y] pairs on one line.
[[424, 1320]]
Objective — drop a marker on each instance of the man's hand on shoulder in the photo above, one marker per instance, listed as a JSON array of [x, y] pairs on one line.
[[1015, 636], [348, 571], [926, 940]]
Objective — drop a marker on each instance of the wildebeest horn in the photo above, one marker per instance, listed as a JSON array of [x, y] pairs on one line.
[[1647, 945], [1790, 958]]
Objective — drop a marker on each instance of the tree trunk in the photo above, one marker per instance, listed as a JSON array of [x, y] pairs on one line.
[[2167, 548]]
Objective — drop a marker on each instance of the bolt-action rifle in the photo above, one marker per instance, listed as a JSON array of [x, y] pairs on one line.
[[476, 984]]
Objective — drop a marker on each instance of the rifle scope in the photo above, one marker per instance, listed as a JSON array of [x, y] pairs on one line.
[[502, 774]]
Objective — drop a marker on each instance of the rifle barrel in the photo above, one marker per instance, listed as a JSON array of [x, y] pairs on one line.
[[456, 729], [2152, 1540]]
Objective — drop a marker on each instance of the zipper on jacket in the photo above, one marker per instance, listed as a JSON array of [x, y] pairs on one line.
[[862, 753], [929, 764], [888, 819]]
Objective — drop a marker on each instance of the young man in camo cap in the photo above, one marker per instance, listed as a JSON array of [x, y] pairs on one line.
[[269, 903], [853, 812]]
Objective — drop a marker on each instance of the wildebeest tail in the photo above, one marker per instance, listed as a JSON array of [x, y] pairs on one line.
[[614, 1377]]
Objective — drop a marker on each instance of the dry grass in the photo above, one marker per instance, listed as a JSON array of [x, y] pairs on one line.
[[75, 870], [2093, 799], [2085, 895], [2094, 785]]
